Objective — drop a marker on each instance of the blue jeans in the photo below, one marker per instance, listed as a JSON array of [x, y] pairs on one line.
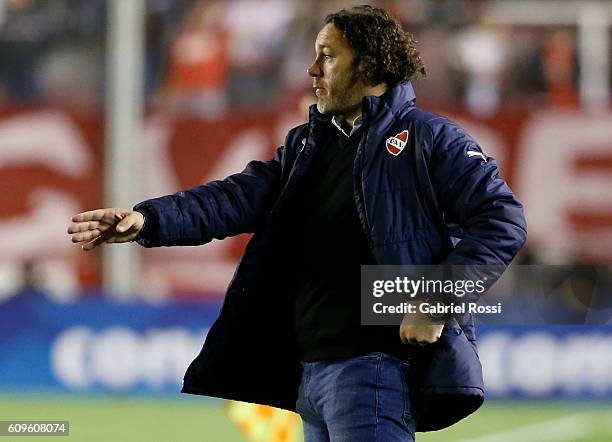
[[359, 399]]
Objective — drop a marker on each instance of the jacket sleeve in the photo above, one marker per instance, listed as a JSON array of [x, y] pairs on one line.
[[237, 204], [471, 193]]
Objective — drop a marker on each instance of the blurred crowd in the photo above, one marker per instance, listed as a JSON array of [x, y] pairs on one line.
[[208, 57]]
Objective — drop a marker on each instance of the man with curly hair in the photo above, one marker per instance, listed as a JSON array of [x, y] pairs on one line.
[[370, 179]]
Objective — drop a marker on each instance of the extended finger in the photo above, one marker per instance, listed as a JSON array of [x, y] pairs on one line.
[[86, 236], [92, 215], [83, 226], [105, 236], [108, 234]]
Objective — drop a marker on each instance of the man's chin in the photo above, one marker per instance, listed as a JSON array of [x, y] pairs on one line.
[[325, 110], [331, 111]]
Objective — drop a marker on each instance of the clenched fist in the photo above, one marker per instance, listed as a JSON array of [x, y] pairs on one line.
[[419, 328], [110, 225]]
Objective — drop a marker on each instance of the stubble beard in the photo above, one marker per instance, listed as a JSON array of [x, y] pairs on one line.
[[345, 99]]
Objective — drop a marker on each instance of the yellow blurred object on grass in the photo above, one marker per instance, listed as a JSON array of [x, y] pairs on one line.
[[260, 423]]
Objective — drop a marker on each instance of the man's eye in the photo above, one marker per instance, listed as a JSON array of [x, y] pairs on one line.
[[327, 57]]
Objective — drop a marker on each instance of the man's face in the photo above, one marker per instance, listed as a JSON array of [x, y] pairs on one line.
[[336, 81]]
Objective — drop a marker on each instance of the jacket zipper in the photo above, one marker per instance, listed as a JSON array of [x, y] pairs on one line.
[[359, 194]]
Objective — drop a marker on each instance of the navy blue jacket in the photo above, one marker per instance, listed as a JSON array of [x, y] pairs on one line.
[[249, 353]]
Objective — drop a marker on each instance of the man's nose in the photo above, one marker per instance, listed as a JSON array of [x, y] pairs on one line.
[[314, 70]]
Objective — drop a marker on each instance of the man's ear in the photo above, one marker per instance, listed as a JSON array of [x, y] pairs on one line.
[[361, 66]]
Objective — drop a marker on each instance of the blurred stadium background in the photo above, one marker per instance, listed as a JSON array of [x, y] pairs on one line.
[[110, 102]]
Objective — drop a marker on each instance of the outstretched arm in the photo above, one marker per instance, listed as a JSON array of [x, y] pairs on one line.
[[216, 210], [237, 204]]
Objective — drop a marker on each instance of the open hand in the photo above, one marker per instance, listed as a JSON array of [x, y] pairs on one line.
[[112, 225]]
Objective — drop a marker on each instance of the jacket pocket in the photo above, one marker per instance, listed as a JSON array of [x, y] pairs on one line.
[[452, 383]]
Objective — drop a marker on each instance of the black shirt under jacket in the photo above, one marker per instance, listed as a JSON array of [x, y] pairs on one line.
[[322, 250]]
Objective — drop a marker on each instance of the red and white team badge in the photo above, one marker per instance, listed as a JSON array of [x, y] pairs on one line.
[[397, 143]]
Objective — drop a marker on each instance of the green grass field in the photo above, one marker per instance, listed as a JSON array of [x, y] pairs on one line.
[[183, 419]]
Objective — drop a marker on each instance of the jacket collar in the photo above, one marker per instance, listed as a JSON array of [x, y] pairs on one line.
[[394, 100]]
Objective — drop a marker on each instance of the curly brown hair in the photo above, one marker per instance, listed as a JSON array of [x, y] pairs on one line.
[[385, 52]]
